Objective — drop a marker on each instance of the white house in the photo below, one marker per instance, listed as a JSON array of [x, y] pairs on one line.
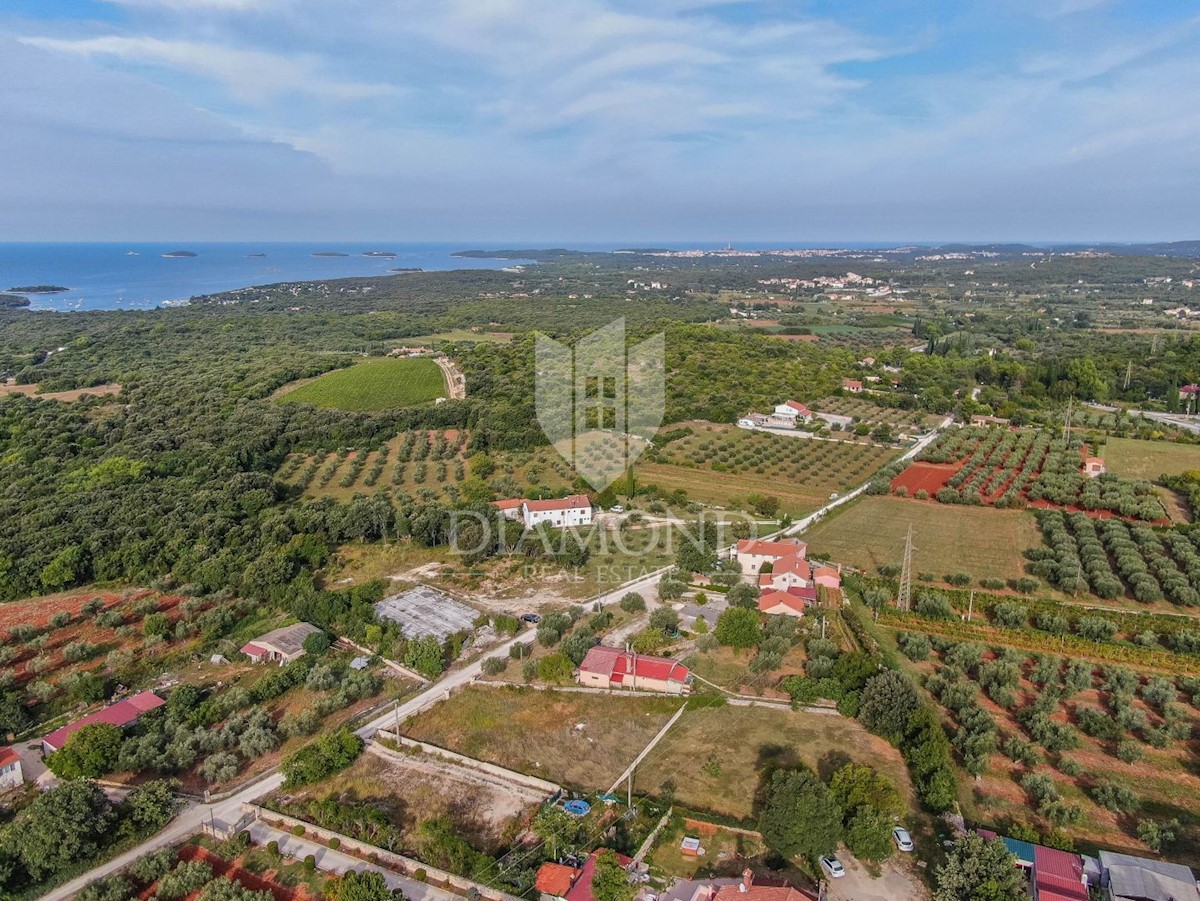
[[752, 421], [792, 413], [563, 513], [11, 775], [752, 553]]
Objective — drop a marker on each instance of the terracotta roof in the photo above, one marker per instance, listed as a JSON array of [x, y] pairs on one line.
[[511, 503], [574, 502], [825, 571], [615, 664], [793, 564], [1059, 872], [851, 383], [761, 893], [7, 756], [555, 879], [761, 547], [121, 714], [1088, 461], [772, 599], [797, 406], [253, 650], [582, 889], [1190, 389]]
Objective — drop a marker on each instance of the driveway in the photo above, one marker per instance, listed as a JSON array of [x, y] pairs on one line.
[[898, 881]]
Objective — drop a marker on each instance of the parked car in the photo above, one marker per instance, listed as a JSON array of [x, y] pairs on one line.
[[617, 508], [903, 840], [530, 618], [832, 866]]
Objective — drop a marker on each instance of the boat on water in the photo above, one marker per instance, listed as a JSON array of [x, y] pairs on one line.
[[132, 253]]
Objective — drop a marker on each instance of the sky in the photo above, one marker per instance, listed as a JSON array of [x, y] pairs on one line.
[[560, 121]]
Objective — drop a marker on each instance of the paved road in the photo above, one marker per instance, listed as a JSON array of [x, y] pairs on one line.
[[1178, 420], [194, 816]]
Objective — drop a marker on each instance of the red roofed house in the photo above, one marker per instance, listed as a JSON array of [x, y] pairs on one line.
[[554, 880], [1189, 391], [606, 667], [827, 576], [11, 775], [854, 386], [748, 890], [123, 713], [511, 508], [1058, 875], [782, 603], [563, 513], [790, 414], [1093, 466], [752, 553], [582, 889], [280, 646]]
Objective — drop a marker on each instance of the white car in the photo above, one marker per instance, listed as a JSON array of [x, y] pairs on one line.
[[832, 866], [903, 840], [617, 508]]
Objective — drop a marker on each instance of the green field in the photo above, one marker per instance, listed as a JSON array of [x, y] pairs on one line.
[[984, 542], [373, 385], [1136, 459]]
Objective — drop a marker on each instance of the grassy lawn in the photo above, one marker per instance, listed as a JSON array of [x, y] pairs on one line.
[[1136, 459], [716, 756], [984, 542], [725, 851], [538, 732], [373, 385]]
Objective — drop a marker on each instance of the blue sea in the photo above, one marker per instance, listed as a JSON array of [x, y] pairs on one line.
[[139, 277]]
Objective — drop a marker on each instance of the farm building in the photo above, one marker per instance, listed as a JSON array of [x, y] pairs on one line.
[[123, 713], [1093, 466], [989, 420], [423, 611], [11, 775], [752, 553], [564, 512], [1127, 878], [605, 667], [280, 646], [1053, 875]]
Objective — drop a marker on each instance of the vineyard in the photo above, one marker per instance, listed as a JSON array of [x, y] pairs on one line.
[[1028, 467], [1110, 557], [866, 410], [722, 464]]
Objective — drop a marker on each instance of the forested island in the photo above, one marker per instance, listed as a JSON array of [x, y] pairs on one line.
[[179, 254], [13, 301], [38, 289]]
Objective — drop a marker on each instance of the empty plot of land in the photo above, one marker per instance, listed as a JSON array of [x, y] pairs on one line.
[[425, 611], [64, 396], [982, 541], [1136, 459], [715, 757], [580, 740]]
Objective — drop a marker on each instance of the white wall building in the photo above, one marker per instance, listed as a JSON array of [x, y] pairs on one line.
[[563, 513]]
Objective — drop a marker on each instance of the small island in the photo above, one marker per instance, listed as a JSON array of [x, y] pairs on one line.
[[407, 269], [378, 253], [12, 302], [38, 289], [178, 254], [256, 255], [329, 253]]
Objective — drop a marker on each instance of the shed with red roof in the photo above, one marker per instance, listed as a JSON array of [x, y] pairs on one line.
[[606, 667], [123, 714]]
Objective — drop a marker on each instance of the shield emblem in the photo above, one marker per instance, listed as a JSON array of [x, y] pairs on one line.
[[600, 402]]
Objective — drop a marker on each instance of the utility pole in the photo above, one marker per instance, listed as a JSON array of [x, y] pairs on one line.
[[1067, 423], [971, 605], [904, 597], [1128, 374]]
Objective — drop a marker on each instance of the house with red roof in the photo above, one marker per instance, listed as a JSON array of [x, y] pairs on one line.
[[562, 513], [606, 667], [11, 775], [1058, 875], [1094, 466], [554, 880], [750, 889], [510, 507], [854, 386], [783, 603], [752, 553], [123, 714], [789, 414], [1188, 392]]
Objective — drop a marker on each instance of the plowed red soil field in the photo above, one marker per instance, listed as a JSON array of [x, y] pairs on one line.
[[932, 477]]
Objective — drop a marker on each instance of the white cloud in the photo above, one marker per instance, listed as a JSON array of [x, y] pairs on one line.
[[251, 76]]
